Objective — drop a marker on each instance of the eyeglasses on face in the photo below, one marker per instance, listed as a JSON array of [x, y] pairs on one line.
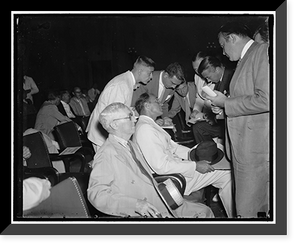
[[155, 101], [130, 116]]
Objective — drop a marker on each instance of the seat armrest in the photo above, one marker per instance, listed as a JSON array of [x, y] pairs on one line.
[[49, 173]]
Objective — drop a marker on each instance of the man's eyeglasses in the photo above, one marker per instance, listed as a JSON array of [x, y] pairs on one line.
[[130, 117], [156, 101]]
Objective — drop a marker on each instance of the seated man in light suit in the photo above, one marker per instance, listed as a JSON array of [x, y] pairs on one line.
[[165, 156], [117, 184]]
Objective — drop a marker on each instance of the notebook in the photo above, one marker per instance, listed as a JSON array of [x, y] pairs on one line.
[[168, 126], [194, 120], [70, 150]]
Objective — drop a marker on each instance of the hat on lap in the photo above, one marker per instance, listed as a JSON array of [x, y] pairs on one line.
[[208, 151]]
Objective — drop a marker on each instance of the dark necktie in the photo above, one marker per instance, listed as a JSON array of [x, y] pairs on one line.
[[217, 86]]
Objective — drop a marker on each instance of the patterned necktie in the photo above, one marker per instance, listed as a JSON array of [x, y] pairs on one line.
[[139, 164]]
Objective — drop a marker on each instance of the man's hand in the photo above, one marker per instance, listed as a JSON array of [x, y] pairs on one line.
[[194, 113], [26, 152], [145, 208], [218, 100], [159, 121], [197, 115], [204, 167], [167, 121]]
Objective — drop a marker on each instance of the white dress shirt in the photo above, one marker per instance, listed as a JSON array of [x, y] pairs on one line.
[[246, 47], [161, 87], [200, 102]]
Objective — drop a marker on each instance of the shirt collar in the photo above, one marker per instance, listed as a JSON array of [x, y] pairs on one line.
[[222, 75], [133, 79], [246, 47], [161, 84], [121, 141], [149, 118]]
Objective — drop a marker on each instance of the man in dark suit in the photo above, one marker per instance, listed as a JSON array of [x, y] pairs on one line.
[[215, 73], [66, 109], [163, 85]]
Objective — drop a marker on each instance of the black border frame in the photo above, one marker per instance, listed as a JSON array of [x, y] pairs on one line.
[[236, 228]]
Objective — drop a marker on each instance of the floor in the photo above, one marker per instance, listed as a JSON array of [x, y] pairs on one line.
[[217, 207], [209, 197]]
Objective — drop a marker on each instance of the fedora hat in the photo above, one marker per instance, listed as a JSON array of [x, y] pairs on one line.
[[208, 151]]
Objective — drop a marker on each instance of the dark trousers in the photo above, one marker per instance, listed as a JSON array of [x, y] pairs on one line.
[[203, 131], [82, 121]]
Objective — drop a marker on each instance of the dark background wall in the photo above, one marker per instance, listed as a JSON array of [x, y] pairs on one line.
[[61, 51]]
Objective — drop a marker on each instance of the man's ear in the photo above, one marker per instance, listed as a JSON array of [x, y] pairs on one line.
[[233, 38], [114, 125], [147, 106], [165, 74]]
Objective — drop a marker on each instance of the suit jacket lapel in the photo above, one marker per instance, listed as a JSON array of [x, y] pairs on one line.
[[192, 94], [125, 158], [239, 67]]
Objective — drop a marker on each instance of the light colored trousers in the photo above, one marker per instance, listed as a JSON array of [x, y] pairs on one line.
[[220, 179]]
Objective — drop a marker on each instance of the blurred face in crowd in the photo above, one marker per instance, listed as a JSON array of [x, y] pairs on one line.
[[66, 97], [77, 92], [56, 101]]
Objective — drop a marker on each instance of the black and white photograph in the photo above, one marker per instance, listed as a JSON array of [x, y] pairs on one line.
[[147, 122]]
